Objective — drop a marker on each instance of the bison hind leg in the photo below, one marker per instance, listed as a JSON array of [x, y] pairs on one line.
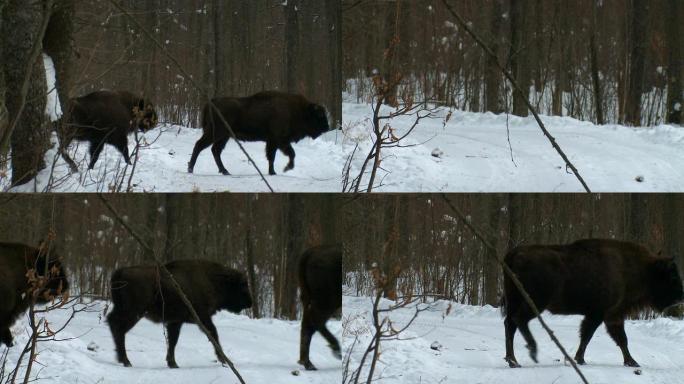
[[119, 324], [290, 153]]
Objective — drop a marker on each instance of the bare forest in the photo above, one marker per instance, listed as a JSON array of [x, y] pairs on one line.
[[447, 245], [606, 61], [260, 235], [176, 53]]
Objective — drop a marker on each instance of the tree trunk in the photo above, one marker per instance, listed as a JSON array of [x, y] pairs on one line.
[[493, 74], [639, 37], [598, 99], [22, 29], [291, 45], [675, 74], [518, 56]]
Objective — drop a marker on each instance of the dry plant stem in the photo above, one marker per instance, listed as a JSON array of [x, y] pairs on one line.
[[35, 52], [176, 287], [517, 284], [510, 78], [194, 84]]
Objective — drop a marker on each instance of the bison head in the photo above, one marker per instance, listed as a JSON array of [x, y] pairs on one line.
[[667, 284], [50, 281], [235, 292], [145, 115], [317, 118]]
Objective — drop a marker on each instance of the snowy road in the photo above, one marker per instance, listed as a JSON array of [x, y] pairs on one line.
[[265, 351], [473, 348]]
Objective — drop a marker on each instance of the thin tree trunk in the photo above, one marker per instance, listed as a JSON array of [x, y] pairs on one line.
[[639, 39]]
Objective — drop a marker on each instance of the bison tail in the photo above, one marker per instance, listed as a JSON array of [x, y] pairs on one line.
[[502, 305]]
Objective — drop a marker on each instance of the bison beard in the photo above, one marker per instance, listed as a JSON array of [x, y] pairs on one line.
[[320, 283], [277, 118], [15, 290], [104, 117], [143, 291], [604, 280]]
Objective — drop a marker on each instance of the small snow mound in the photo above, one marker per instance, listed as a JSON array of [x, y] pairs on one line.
[[92, 346], [437, 153], [639, 179], [436, 346]]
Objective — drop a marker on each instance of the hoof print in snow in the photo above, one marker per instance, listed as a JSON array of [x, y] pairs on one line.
[[295, 372], [438, 153], [637, 371], [93, 347], [639, 179], [172, 152], [436, 346]]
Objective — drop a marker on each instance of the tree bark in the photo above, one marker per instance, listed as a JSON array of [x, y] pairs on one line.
[[492, 74], [518, 56]]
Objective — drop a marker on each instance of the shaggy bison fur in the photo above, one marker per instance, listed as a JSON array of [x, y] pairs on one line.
[[277, 118], [16, 263], [104, 117], [604, 280], [320, 283], [145, 291]]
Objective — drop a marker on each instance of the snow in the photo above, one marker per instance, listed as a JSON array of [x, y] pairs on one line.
[[52, 107], [263, 350], [473, 346]]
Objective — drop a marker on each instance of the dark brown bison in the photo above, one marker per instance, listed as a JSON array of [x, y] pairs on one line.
[[274, 117], [144, 291], [604, 280], [18, 263], [320, 284], [104, 117]]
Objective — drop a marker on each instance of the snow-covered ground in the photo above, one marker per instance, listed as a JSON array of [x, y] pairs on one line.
[[473, 346], [263, 350]]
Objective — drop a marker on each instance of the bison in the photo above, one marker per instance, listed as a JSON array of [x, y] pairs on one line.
[[104, 117], [320, 284], [17, 261], [274, 117], [604, 280], [144, 291]]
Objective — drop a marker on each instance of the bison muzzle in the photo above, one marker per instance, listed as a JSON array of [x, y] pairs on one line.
[[277, 118], [604, 280], [145, 291], [24, 276], [104, 117], [320, 284]]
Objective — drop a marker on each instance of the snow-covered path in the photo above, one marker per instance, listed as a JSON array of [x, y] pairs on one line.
[[476, 158], [265, 351], [473, 348]]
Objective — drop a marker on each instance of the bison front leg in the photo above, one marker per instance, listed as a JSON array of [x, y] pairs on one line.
[[6, 337], [212, 331], [173, 331], [304, 344], [216, 150], [616, 330], [290, 153], [271, 149]]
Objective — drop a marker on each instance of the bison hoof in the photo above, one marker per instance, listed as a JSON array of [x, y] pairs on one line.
[[533, 353], [127, 364], [337, 353], [172, 364], [580, 360], [512, 362], [224, 172], [288, 168], [308, 365], [631, 363]]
